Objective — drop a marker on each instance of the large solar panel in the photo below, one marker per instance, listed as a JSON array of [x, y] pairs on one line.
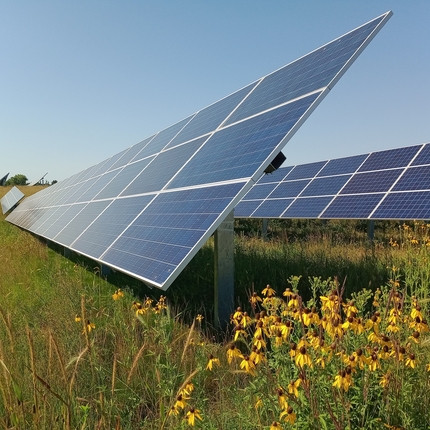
[[10, 199], [148, 209], [393, 184], [3, 180]]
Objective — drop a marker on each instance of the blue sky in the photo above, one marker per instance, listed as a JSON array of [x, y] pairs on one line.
[[82, 80]]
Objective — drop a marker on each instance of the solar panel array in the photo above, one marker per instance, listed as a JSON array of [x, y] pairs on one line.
[[10, 199], [148, 209], [393, 184]]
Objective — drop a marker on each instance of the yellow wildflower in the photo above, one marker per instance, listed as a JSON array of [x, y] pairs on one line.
[[288, 415], [212, 361], [232, 352], [191, 416], [268, 291], [117, 294], [293, 387], [303, 358], [247, 364]]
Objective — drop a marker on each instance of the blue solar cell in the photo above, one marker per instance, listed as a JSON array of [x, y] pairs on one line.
[[259, 191], [161, 139], [246, 208], [238, 151], [414, 178], [309, 73], [305, 171], [352, 207], [123, 179], [210, 118], [160, 171], [165, 232], [371, 182], [325, 186], [276, 176], [390, 159], [93, 189], [272, 208], [343, 165], [61, 221], [131, 153], [104, 167], [307, 207], [423, 157], [402, 206], [80, 222], [288, 189], [109, 225]]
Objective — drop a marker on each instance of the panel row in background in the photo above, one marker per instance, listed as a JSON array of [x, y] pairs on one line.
[[148, 209], [10, 199], [392, 184]]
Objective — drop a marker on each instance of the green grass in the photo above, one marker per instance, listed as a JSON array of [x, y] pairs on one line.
[[128, 371]]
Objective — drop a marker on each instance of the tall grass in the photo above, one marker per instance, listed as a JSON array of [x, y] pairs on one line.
[[78, 352]]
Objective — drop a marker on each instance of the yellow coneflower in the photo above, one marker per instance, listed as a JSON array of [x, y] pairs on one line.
[[341, 381], [237, 316], [411, 361], [275, 426], [293, 387], [232, 352], [246, 320], [199, 318], [77, 318], [187, 390], [282, 398], [287, 293], [239, 331], [268, 291], [254, 299], [373, 362], [257, 355], [212, 361], [191, 416], [89, 326], [247, 365], [303, 358], [293, 349], [181, 401], [288, 415], [173, 411], [117, 294]]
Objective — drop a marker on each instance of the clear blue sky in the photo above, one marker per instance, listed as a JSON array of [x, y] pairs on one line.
[[81, 80]]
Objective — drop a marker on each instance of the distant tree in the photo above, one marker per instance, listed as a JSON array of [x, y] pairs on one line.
[[54, 182], [17, 180]]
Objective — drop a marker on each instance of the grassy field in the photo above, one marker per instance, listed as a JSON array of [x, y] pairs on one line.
[[340, 342]]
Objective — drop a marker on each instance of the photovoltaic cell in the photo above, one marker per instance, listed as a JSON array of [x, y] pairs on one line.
[[245, 208], [341, 166], [146, 210], [288, 189], [309, 207], [272, 208], [423, 157], [305, 171], [328, 186], [416, 178], [402, 206], [389, 159], [353, 207], [259, 191], [371, 182]]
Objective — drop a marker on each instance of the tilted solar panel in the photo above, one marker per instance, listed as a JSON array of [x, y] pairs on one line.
[[393, 184], [10, 199], [3, 180], [148, 209]]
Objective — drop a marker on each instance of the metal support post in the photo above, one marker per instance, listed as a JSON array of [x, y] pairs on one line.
[[104, 270], [264, 229], [224, 271], [370, 230], [66, 252]]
